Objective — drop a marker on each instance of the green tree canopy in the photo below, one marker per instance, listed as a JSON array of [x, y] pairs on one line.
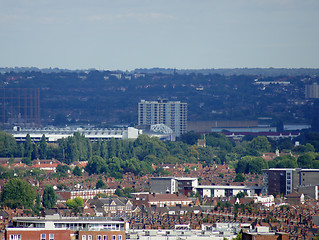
[[219, 140], [96, 165], [306, 160], [100, 184], [17, 193], [239, 177], [260, 144], [75, 204], [43, 148], [49, 197], [286, 161], [77, 171], [190, 137], [251, 164], [8, 145]]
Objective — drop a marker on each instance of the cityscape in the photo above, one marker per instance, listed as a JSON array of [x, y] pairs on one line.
[[152, 120]]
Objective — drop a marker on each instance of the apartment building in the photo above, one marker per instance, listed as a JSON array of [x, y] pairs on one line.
[[312, 91], [286, 180], [226, 191], [182, 185], [85, 194], [55, 227], [171, 113]]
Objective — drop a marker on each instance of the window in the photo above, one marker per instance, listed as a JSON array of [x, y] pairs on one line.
[[104, 237], [113, 237], [51, 236], [83, 237], [119, 237], [90, 237], [98, 237], [43, 236], [15, 236]]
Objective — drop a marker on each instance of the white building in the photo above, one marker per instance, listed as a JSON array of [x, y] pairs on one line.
[[182, 185], [171, 113], [54, 134], [55, 227], [226, 191]]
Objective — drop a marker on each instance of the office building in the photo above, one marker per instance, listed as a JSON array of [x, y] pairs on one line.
[[171, 113], [286, 180]]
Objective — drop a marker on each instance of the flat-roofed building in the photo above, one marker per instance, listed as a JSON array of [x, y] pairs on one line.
[[286, 180], [53, 134], [55, 227], [182, 185], [226, 191], [171, 113], [312, 90], [85, 194]]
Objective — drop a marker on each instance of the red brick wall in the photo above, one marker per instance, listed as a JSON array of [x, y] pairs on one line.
[[36, 235], [247, 236]]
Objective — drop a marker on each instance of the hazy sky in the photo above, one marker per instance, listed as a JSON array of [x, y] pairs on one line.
[[129, 34]]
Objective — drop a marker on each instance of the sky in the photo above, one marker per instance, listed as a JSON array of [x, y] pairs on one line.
[[182, 34]]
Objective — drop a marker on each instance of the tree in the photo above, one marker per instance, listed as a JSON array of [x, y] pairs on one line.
[[239, 177], [17, 193], [28, 147], [125, 192], [239, 237], [77, 171], [8, 145], [100, 184], [43, 148], [286, 161], [49, 197], [250, 164], [260, 144], [96, 165], [75, 204], [37, 206], [306, 160], [190, 137], [241, 194]]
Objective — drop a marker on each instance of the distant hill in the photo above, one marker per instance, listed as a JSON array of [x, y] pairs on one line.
[[268, 72]]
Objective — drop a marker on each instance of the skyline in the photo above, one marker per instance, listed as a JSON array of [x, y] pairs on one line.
[[130, 34]]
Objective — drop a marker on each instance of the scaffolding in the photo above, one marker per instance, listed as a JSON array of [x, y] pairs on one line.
[[20, 107]]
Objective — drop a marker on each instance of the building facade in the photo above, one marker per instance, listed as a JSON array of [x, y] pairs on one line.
[[85, 194], [286, 180], [226, 191], [55, 227], [53, 134], [312, 91], [171, 113], [181, 185]]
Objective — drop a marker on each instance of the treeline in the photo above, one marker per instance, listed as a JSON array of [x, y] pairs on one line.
[[117, 156]]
